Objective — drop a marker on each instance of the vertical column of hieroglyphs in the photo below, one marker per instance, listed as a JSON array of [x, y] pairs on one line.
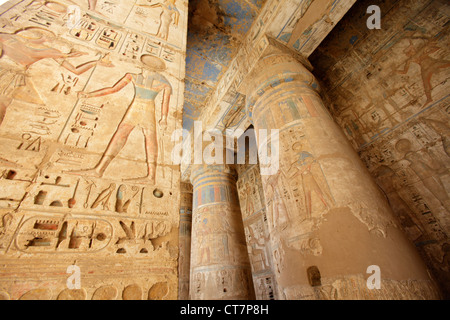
[[328, 221], [254, 217], [89, 97], [184, 258], [220, 267]]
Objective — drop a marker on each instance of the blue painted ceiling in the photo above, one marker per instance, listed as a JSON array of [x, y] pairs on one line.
[[216, 30]]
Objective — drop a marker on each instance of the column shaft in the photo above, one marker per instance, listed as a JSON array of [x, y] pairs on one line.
[[220, 267], [328, 220]]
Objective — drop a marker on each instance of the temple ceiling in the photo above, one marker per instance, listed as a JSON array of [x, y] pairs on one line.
[[216, 30], [222, 31]]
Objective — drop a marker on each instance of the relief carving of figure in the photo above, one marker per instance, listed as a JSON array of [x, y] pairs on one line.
[[262, 292], [203, 233], [26, 47], [309, 183], [249, 203], [277, 211], [386, 180], [427, 169], [257, 246], [140, 114], [428, 65], [169, 15]]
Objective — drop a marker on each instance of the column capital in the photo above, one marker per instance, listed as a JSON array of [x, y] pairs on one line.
[[199, 170], [204, 143], [276, 65], [213, 156]]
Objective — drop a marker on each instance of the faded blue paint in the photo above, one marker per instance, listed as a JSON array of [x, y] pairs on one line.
[[195, 92], [190, 109], [209, 55], [293, 109], [220, 50], [285, 37], [239, 15], [188, 123], [334, 5], [199, 68]]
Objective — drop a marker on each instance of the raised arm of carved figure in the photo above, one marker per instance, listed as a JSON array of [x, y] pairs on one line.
[[122, 83]]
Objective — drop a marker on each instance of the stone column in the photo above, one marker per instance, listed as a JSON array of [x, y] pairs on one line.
[[184, 260], [220, 267], [328, 220]]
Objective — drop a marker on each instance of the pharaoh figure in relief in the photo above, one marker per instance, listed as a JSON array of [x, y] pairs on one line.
[[24, 48], [140, 114], [428, 65], [310, 185]]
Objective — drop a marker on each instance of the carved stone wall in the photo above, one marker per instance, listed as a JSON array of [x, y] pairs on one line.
[[87, 107], [354, 287], [254, 216], [388, 90], [184, 257]]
